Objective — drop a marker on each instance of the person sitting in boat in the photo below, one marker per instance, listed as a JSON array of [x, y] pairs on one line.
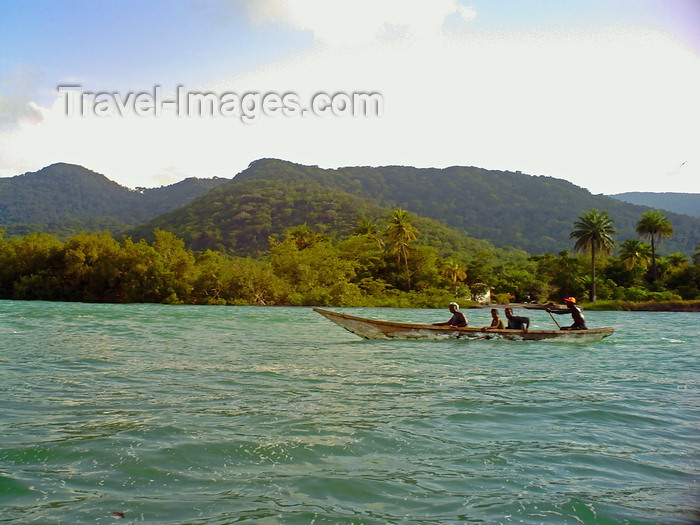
[[517, 322], [576, 314], [496, 322], [458, 320]]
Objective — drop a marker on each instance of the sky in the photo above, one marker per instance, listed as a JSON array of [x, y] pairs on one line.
[[602, 93]]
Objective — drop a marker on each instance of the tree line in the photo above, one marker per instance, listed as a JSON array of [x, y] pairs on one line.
[[594, 232], [381, 263]]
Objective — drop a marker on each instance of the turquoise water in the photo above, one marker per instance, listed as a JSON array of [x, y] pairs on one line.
[[187, 414]]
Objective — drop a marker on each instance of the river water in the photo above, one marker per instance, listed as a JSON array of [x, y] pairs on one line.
[[211, 414]]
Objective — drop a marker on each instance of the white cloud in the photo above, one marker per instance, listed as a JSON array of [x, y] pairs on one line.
[[16, 105], [610, 110], [361, 22]]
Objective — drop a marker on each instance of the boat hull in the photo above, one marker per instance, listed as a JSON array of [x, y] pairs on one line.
[[375, 329]]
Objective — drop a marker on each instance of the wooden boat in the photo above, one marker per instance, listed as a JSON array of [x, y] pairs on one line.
[[374, 329]]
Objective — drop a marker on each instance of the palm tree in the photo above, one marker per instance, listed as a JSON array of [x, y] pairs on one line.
[[400, 234], [676, 260], [366, 226], [369, 228], [593, 233], [635, 254], [454, 272], [654, 225]]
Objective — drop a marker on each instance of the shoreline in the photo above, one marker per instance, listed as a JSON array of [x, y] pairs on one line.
[[628, 306]]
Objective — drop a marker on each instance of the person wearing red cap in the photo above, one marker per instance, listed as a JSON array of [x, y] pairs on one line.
[[576, 314]]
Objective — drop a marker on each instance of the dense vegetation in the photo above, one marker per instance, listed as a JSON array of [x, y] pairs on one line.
[[507, 209], [240, 219], [64, 199], [380, 263], [285, 234]]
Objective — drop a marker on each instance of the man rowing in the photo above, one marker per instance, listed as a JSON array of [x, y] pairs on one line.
[[458, 320], [576, 314]]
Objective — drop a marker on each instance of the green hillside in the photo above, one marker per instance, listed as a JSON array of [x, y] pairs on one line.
[[532, 213], [240, 217], [66, 198], [281, 233], [506, 209]]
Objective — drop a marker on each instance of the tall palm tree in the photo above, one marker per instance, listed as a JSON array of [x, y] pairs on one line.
[[654, 225], [400, 234], [593, 233]]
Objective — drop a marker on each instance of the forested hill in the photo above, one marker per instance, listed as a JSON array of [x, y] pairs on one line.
[[241, 216], [65, 198], [531, 213], [686, 203]]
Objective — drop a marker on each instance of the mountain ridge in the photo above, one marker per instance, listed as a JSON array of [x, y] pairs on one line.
[[534, 213], [684, 203], [65, 198], [508, 209]]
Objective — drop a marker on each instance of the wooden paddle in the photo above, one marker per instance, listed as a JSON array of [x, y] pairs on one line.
[[553, 319]]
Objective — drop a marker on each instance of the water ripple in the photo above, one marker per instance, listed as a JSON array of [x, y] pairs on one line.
[[272, 415]]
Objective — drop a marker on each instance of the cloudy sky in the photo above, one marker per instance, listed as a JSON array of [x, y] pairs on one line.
[[603, 93]]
